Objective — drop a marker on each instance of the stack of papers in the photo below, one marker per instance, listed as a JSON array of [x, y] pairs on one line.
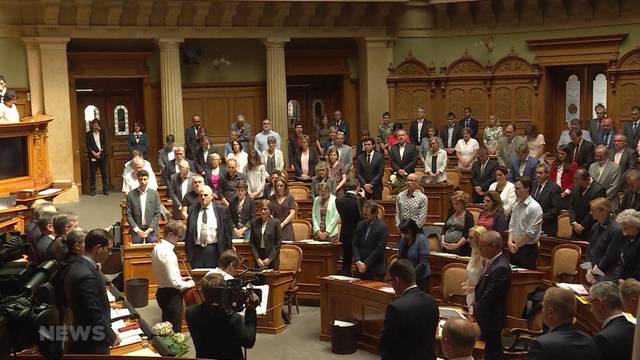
[[110, 296], [48, 191], [578, 289], [119, 313], [387, 289], [343, 278], [340, 323]]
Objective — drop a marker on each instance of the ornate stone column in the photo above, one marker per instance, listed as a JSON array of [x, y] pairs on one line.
[[34, 66], [277, 90], [171, 88], [375, 56], [55, 78]]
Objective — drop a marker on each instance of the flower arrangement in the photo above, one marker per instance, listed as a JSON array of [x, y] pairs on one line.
[[397, 181], [176, 342]]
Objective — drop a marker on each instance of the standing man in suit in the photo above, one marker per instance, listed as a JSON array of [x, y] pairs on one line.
[[418, 128], [138, 140], [349, 206], [595, 124], [615, 340], [458, 339], [607, 174], [490, 309], [606, 133], [166, 154], [483, 174], [85, 288], [525, 226], [202, 154], [507, 145], [403, 155], [47, 236], [295, 143], [96, 142], [563, 341], [179, 187], [580, 150], [450, 134], [623, 156], [340, 123], [242, 210], [345, 154], [369, 169], [411, 320], [369, 244], [547, 194], [584, 190], [208, 231], [523, 164], [632, 129], [143, 211], [191, 136], [631, 197], [228, 180], [172, 167], [469, 122]]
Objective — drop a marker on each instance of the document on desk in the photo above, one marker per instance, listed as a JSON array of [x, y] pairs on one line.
[[387, 289], [119, 313], [343, 278], [263, 307], [48, 191], [578, 289], [110, 296]]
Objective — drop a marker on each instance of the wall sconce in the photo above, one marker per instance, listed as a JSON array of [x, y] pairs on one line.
[[487, 43]]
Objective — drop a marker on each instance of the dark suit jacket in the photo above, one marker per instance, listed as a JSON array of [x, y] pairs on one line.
[[248, 212], [409, 330], [563, 342], [529, 169], [632, 137], [228, 185], [142, 145], [191, 141], [313, 161], [630, 258], [224, 233], [91, 145], [629, 201], [486, 178], [409, 158], [163, 159], [584, 157], [218, 336], [272, 240], [349, 207], [601, 139], [444, 135], [580, 210], [293, 147], [370, 250], [549, 200], [86, 289], [473, 125], [604, 245], [371, 174], [615, 340], [153, 210], [199, 160], [413, 131], [176, 194], [628, 161], [170, 169], [491, 291]]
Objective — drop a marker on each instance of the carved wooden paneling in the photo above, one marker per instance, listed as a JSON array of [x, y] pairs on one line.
[[624, 86]]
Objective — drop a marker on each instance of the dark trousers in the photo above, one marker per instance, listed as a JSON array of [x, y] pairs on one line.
[[205, 257], [93, 167], [526, 257], [493, 344], [347, 258], [170, 302]]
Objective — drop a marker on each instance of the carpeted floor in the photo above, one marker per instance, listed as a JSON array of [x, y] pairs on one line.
[[98, 211]]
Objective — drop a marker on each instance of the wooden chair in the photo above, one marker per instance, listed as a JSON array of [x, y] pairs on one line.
[[290, 260], [380, 212], [475, 211], [453, 177], [453, 275], [385, 176], [387, 191], [521, 340], [434, 243], [564, 226], [564, 263], [301, 229], [420, 173], [299, 192]]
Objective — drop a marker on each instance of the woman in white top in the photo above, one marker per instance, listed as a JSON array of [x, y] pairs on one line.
[[506, 189], [8, 110], [475, 266], [435, 172], [466, 149], [256, 175], [536, 143], [272, 158], [241, 157]]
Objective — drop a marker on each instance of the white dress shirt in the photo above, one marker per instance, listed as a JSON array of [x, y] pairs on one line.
[[184, 188], [9, 114], [212, 226], [221, 272], [130, 181], [164, 264], [96, 138]]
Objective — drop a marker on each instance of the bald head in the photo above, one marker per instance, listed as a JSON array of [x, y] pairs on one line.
[[458, 338]]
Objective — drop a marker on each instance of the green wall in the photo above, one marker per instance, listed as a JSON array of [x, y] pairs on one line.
[[445, 49], [14, 63], [247, 57]]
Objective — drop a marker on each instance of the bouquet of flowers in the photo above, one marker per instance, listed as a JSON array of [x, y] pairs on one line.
[[176, 342], [397, 181]]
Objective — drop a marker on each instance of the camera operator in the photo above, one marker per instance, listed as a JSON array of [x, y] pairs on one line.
[[228, 265], [217, 333]]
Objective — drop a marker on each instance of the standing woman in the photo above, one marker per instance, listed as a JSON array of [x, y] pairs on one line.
[[466, 149], [536, 142], [325, 215], [266, 237], [322, 175], [272, 158], [492, 134], [561, 173], [505, 188], [256, 175], [605, 240], [241, 157], [242, 210], [493, 217], [305, 160], [475, 265], [425, 144], [336, 170], [213, 172], [455, 233], [322, 134], [413, 246], [435, 161], [138, 140], [284, 208]]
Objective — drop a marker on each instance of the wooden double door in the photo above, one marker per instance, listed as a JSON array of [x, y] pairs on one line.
[[117, 103]]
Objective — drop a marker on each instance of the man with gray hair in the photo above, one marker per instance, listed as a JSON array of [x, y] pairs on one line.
[[130, 180], [33, 231], [243, 129], [458, 339], [345, 155], [260, 141], [606, 173], [631, 197], [623, 156], [615, 339]]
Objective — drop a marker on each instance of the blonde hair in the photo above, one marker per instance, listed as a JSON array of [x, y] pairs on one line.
[[461, 196], [601, 203], [476, 257]]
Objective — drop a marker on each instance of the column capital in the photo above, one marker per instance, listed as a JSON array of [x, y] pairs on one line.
[[47, 43], [169, 43], [378, 42], [275, 42]]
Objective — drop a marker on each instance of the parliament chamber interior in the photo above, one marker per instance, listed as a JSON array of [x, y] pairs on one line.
[[294, 179]]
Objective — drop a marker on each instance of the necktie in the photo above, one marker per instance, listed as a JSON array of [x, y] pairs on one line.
[[482, 168], [538, 191], [466, 123], [434, 164], [575, 153], [606, 139], [635, 127], [370, 157], [203, 229]]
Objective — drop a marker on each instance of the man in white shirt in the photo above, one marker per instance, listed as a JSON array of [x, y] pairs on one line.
[[171, 284], [458, 339], [525, 226], [565, 138], [260, 141], [228, 265], [130, 180]]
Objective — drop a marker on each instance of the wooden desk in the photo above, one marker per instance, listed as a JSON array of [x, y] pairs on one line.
[[318, 260], [137, 263], [547, 243], [13, 218]]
